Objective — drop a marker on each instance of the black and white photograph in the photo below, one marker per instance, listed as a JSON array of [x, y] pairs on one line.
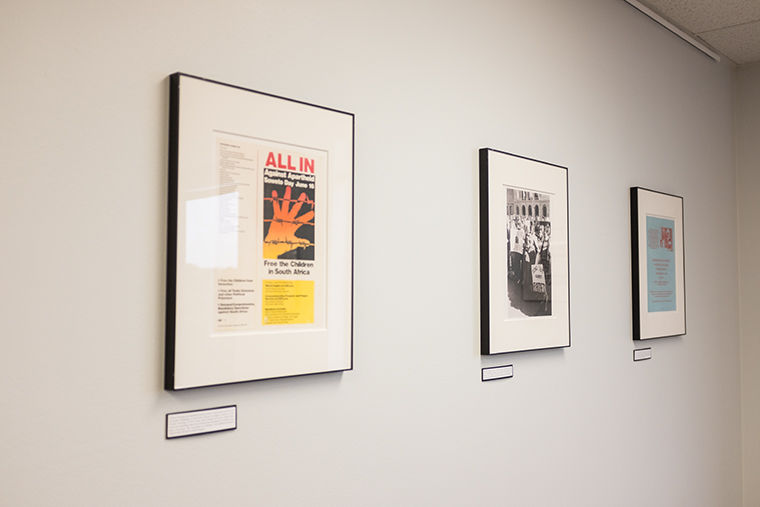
[[524, 254], [529, 260]]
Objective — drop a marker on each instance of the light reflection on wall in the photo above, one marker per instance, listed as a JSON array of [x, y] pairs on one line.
[[211, 231]]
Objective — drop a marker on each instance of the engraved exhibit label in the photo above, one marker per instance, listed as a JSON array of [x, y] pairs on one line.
[[497, 372], [528, 253], [661, 269], [642, 354], [198, 422]]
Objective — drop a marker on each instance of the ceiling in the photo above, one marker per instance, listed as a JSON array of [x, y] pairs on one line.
[[731, 27]]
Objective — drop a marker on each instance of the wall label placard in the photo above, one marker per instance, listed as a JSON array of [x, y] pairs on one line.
[[200, 422], [497, 372], [642, 354]]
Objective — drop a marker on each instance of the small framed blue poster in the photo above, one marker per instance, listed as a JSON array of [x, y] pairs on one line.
[[657, 255]]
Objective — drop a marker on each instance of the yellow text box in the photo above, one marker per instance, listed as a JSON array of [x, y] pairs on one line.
[[287, 302]]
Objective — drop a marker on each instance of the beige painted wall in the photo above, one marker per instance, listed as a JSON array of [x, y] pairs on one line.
[[589, 84], [748, 198]]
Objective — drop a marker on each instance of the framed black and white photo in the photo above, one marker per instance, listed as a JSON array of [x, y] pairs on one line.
[[657, 259], [524, 262], [260, 248]]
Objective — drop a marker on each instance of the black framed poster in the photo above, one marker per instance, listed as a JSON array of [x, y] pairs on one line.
[[524, 260], [657, 260], [260, 262]]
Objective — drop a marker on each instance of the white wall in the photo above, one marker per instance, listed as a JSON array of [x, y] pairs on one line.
[[748, 187], [590, 84]]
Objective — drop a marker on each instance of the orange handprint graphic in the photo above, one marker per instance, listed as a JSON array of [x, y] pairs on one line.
[[280, 237]]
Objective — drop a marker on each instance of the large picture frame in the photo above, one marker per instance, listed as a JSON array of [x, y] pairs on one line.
[[260, 236], [524, 254], [657, 261]]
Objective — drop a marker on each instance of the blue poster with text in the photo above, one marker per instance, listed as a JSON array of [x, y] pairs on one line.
[[661, 269]]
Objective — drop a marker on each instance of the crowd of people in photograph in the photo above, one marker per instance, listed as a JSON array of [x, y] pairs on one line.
[[528, 240]]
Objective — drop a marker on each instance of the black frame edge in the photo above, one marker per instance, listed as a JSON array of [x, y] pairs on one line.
[[171, 234], [526, 158], [485, 339], [353, 204], [635, 289], [274, 96], [683, 263], [567, 225], [284, 377]]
